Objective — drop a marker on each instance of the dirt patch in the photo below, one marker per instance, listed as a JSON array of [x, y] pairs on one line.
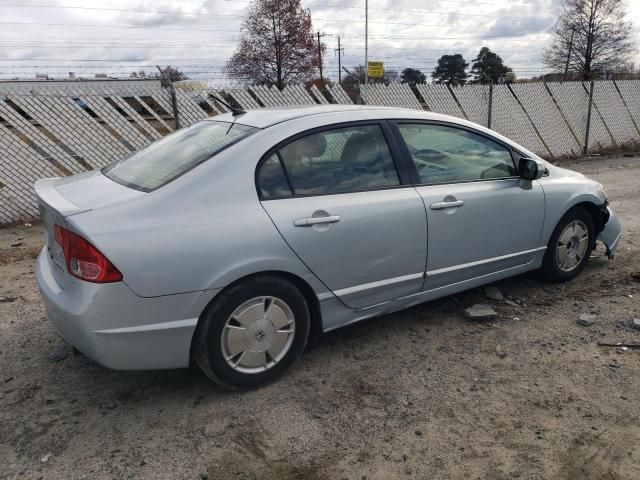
[[423, 393]]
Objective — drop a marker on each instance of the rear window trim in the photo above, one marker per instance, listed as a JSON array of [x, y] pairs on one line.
[[114, 178]]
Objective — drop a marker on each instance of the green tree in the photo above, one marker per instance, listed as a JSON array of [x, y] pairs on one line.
[[412, 76], [488, 66], [451, 70]]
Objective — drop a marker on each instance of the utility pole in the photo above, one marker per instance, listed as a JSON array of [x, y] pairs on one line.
[[340, 52], [320, 56], [366, 42], [566, 67]]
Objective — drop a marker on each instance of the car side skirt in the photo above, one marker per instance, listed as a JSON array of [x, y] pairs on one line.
[[335, 314]]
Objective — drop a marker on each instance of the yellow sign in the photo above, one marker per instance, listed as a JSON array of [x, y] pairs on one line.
[[376, 69]]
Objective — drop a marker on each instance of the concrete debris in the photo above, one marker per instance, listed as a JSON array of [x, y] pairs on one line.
[[59, 354], [480, 312], [586, 319], [493, 293]]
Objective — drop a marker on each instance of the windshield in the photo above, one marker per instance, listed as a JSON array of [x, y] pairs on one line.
[[175, 154]]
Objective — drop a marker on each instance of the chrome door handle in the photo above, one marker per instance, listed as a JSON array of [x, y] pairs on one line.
[[310, 221], [443, 205]]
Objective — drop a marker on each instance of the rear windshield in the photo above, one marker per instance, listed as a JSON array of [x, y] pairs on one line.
[[175, 154]]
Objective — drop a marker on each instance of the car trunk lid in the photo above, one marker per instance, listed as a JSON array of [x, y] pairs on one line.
[[61, 198]]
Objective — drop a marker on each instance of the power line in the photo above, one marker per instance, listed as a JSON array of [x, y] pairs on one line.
[[327, 20], [114, 26], [74, 7], [154, 43], [471, 3], [205, 30]]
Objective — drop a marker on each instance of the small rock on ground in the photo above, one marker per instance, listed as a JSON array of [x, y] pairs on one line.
[[59, 354], [493, 293], [586, 319], [480, 312], [636, 323]]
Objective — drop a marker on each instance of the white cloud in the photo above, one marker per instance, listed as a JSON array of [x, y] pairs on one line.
[[401, 33]]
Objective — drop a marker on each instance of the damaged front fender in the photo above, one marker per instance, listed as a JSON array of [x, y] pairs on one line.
[[610, 234]]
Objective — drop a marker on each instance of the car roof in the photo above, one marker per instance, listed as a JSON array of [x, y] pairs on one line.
[[267, 117]]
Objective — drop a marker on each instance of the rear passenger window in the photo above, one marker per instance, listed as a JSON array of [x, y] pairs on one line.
[[341, 160], [272, 180]]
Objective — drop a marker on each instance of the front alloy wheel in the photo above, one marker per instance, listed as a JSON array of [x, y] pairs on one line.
[[570, 245], [573, 245]]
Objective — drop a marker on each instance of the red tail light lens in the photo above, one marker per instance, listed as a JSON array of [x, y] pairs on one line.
[[83, 260]]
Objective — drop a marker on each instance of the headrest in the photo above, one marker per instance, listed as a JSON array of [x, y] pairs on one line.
[[312, 146]]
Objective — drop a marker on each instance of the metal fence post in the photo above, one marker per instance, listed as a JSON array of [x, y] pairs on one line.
[[174, 99], [174, 104], [587, 130], [490, 104]]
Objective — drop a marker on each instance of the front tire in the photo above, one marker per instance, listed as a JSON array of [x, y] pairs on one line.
[[252, 332], [570, 246]]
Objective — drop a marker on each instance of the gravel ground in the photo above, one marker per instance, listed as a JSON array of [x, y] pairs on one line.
[[424, 393]]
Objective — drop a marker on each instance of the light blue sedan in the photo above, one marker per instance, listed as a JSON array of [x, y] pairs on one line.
[[230, 242]]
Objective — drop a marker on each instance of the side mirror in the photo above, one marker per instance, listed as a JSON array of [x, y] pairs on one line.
[[530, 169]]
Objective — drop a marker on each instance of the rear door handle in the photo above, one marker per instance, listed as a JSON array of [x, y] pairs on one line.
[[310, 221], [443, 205]]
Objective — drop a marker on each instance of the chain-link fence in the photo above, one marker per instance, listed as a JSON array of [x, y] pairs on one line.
[[58, 132]]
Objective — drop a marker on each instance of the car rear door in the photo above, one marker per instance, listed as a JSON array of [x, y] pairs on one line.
[[480, 220], [344, 207]]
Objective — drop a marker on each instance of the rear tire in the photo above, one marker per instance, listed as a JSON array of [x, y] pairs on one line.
[[252, 332], [570, 246]]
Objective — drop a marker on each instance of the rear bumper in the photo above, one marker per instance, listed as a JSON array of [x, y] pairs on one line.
[[610, 234], [118, 329]]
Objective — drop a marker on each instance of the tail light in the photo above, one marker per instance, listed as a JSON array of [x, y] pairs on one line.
[[83, 260]]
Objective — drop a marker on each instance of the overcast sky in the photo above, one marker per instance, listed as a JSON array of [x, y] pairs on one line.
[[199, 35]]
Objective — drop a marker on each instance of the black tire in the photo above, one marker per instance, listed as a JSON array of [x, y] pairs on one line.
[[551, 271], [207, 348]]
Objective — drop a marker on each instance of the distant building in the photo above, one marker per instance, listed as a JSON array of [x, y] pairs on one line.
[[43, 84]]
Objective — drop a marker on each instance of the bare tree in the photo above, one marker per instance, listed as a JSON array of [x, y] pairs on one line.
[[277, 45], [593, 35], [173, 74]]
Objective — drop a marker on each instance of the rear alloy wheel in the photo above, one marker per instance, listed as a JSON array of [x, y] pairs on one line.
[[252, 332], [570, 246], [258, 334]]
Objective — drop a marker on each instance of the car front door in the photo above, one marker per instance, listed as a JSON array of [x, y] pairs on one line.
[[480, 220], [338, 200]]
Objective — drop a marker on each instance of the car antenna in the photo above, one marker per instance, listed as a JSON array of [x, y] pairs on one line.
[[234, 111]]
